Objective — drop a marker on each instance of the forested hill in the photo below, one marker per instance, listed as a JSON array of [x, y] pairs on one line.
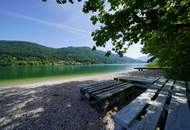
[[28, 53]]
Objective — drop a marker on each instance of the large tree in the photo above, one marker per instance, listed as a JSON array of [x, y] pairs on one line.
[[162, 26]]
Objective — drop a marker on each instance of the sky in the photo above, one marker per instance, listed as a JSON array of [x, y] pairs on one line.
[[50, 24]]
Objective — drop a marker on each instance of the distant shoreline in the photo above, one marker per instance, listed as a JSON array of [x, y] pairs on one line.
[[50, 81], [82, 64]]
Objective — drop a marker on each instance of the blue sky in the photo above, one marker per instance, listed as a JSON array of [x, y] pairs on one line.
[[49, 24]]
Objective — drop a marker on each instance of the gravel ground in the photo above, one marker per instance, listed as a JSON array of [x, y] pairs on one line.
[[55, 107]]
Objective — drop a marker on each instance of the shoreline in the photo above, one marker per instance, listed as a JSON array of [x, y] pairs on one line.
[[57, 104], [51, 81]]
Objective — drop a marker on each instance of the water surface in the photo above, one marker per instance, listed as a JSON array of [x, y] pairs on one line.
[[28, 72]]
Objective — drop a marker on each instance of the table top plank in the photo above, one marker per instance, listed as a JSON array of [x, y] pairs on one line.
[[89, 86], [97, 88], [179, 112], [109, 88], [126, 115], [138, 79], [151, 118], [113, 91]]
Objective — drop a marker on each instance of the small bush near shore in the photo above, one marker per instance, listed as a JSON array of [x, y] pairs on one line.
[[152, 64]]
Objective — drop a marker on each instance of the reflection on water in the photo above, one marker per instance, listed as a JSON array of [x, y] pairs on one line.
[[8, 73]]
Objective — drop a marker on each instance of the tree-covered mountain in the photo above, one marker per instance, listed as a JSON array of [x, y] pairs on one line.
[[28, 53]]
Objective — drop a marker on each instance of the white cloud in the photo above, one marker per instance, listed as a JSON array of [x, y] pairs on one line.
[[48, 23]]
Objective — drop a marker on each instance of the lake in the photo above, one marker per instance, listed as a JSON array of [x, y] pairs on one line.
[[29, 72]]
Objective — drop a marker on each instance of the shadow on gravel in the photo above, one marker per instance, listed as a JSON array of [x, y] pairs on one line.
[[47, 108]]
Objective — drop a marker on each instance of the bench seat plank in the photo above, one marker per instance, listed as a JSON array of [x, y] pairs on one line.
[[179, 113], [88, 86], [93, 89], [149, 68], [113, 91], [89, 93], [108, 88], [126, 115]]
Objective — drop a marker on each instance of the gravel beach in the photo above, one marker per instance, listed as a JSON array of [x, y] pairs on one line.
[[55, 106]]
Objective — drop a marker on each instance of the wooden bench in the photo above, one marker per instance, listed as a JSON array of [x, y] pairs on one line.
[[104, 94], [149, 68], [165, 107], [138, 81], [114, 91], [103, 90]]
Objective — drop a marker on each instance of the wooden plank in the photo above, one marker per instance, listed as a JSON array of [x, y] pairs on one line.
[[138, 79], [179, 88], [109, 88], [126, 115], [167, 89], [113, 91], [87, 93], [150, 68], [159, 84], [83, 88], [103, 87], [179, 113], [168, 86], [151, 118], [134, 78]]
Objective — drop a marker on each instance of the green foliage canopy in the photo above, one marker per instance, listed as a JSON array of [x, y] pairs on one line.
[[162, 26]]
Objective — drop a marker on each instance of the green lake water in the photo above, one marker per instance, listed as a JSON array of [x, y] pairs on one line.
[[28, 72]]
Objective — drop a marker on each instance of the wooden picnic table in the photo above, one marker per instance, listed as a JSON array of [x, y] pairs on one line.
[[163, 103], [157, 108], [105, 89], [108, 92], [101, 94]]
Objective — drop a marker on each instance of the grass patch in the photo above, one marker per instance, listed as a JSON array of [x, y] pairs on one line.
[[152, 64]]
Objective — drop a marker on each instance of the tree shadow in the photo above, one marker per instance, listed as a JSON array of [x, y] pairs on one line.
[[48, 108]]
